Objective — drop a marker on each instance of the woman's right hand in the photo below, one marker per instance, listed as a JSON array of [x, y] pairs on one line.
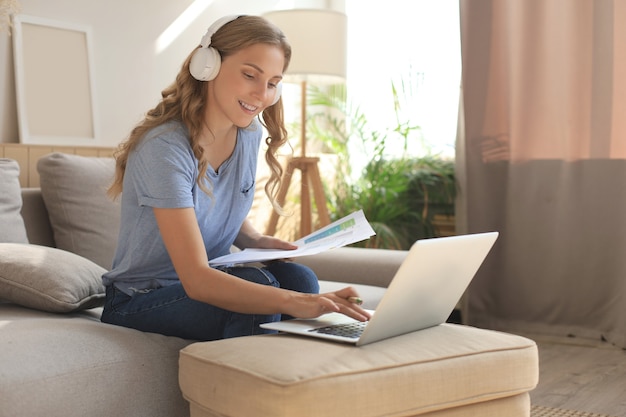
[[307, 306]]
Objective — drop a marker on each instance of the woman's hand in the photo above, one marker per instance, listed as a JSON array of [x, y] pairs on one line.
[[307, 306], [271, 242], [297, 304], [249, 237]]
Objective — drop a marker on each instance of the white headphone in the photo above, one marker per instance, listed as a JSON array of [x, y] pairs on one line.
[[206, 61]]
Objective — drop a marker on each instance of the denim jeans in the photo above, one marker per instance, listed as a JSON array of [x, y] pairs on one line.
[[169, 311]]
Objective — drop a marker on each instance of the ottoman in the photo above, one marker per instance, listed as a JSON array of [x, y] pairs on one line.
[[444, 371]]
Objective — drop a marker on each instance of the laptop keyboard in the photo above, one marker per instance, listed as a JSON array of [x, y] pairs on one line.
[[351, 330]]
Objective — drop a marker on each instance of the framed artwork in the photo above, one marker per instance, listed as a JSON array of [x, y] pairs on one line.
[[54, 82]]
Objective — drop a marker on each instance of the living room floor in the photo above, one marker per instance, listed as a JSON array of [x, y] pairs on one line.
[[580, 374]]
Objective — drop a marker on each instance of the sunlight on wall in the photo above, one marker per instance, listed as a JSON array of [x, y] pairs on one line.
[[180, 24], [417, 41]]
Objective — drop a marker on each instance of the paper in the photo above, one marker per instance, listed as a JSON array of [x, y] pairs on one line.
[[350, 229]]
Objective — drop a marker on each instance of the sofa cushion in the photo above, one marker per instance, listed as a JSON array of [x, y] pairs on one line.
[[11, 223], [435, 369], [73, 365], [49, 279], [84, 220]]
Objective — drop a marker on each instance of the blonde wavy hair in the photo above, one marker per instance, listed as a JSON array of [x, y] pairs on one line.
[[185, 101]]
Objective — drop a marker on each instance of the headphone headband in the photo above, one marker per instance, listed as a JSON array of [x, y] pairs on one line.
[[206, 39]]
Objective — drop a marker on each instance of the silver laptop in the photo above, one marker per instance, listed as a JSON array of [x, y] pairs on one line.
[[422, 294]]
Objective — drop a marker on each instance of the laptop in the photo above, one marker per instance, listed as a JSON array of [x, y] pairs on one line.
[[422, 294]]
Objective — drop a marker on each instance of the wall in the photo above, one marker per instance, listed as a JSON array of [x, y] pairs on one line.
[[27, 157], [129, 73]]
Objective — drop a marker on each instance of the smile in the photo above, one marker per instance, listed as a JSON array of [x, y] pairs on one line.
[[248, 106]]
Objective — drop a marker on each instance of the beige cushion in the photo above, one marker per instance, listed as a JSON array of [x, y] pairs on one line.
[[279, 375], [84, 220], [49, 279], [11, 223]]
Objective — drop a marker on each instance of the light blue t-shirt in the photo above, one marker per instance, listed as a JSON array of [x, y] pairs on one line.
[[161, 172]]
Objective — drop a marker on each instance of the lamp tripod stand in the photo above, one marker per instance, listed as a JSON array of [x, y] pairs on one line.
[[310, 180]]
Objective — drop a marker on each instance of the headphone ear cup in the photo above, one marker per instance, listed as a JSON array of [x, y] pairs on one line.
[[205, 64], [279, 92]]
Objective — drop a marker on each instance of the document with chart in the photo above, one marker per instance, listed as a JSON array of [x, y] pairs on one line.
[[350, 229]]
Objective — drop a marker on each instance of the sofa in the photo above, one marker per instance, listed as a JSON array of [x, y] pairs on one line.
[[58, 359]]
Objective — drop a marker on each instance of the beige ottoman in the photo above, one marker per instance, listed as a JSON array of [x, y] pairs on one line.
[[448, 370]]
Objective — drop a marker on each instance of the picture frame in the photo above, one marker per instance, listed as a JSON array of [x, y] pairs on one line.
[[54, 82]]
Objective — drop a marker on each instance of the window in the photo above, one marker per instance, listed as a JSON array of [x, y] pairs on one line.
[[417, 42]]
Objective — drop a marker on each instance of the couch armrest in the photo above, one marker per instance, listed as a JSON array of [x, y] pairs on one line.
[[356, 265], [35, 217]]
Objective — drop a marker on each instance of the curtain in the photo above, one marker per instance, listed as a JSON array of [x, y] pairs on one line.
[[541, 156]]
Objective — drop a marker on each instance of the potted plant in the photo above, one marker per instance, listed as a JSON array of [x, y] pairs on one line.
[[401, 196]]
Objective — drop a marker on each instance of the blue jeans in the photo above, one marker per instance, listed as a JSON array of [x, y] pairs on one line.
[[169, 311]]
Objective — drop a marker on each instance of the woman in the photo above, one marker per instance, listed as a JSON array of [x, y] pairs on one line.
[[187, 172]]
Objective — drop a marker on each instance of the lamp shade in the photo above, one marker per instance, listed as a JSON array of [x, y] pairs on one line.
[[318, 44]]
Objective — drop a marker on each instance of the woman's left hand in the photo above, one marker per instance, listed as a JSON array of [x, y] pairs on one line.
[[249, 237], [271, 242]]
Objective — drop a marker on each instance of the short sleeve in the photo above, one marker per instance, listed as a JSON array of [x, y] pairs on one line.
[[165, 171]]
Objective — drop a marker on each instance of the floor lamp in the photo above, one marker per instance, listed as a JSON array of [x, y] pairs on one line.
[[318, 43]]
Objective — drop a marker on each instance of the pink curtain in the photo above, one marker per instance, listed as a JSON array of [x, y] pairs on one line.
[[542, 159]]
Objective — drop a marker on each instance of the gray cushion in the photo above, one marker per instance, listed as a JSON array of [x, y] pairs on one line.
[[11, 223], [72, 365], [84, 220], [49, 279]]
